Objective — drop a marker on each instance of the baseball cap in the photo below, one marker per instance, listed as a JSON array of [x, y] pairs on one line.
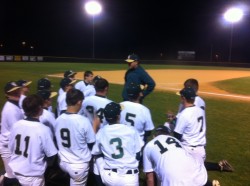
[[188, 93], [44, 84], [23, 83], [46, 94], [112, 110], [133, 90], [163, 128], [66, 81], [69, 73], [11, 86], [132, 58]]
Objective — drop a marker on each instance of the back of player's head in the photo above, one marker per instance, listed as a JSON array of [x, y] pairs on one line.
[[11, 88], [188, 93], [87, 73], [112, 112], [46, 94], [133, 90], [32, 105], [73, 96], [101, 84], [162, 129], [192, 83], [44, 84], [66, 82]]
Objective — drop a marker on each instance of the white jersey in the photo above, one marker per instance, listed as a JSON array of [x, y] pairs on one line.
[[60, 91], [48, 119], [22, 97], [89, 91], [137, 115], [119, 144], [73, 132], [30, 142], [81, 85], [61, 103], [198, 101], [94, 105], [173, 166], [191, 124], [11, 113]]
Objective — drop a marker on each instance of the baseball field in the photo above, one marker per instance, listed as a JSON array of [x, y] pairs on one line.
[[225, 90]]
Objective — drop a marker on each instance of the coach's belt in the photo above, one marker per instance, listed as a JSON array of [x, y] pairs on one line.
[[132, 171]]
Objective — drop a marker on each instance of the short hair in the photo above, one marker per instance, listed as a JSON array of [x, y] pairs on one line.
[[32, 105], [88, 73], [101, 84], [73, 96], [192, 83]]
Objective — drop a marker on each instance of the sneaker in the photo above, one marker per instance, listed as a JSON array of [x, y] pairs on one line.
[[225, 166], [215, 183]]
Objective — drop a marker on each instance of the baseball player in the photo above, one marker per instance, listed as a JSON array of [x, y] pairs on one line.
[[66, 84], [190, 127], [90, 89], [45, 84], [67, 74], [136, 114], [24, 90], [47, 117], [165, 157], [222, 165], [31, 143], [11, 113], [121, 146], [138, 75], [87, 79], [75, 138], [93, 106]]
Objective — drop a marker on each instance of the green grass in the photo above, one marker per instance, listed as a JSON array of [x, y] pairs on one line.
[[228, 126], [237, 85]]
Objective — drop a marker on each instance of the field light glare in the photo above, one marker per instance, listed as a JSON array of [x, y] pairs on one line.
[[233, 15], [93, 7]]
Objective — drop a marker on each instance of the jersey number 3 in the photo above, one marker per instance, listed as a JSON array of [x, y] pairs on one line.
[[18, 144]]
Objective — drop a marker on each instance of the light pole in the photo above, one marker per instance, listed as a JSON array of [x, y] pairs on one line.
[[93, 8], [232, 15]]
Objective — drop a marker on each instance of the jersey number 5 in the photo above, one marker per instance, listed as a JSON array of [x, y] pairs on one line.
[[18, 144]]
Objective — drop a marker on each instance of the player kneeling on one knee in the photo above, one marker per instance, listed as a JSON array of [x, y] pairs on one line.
[[120, 146]]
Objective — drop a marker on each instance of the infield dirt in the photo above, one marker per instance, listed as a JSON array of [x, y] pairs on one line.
[[172, 80]]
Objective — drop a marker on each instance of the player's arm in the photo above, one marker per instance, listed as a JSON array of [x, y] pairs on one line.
[[150, 179], [146, 135], [177, 135]]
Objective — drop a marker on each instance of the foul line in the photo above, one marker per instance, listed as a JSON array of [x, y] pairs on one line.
[[218, 94]]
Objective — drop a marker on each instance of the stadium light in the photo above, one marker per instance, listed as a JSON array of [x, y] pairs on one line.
[[232, 15], [93, 8]]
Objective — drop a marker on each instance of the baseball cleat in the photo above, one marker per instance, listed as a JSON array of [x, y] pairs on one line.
[[215, 183], [225, 166]]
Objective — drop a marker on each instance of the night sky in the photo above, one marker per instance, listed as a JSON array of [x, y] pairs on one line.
[[148, 28]]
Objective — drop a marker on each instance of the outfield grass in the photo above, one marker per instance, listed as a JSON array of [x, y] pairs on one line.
[[227, 121]]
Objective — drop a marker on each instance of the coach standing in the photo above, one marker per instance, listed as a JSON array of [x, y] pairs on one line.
[[138, 75]]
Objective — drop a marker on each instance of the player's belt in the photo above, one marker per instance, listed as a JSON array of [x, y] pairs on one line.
[[196, 146], [132, 171]]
